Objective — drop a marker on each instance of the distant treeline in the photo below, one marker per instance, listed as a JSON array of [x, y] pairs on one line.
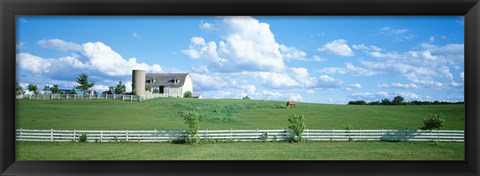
[[398, 100]]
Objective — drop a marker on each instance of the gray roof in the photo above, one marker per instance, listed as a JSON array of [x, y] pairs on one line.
[[166, 79]]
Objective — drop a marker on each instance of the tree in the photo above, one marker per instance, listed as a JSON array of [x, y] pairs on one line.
[[46, 89], [191, 120], [297, 124], [54, 89], [148, 88], [84, 85], [433, 121], [33, 88], [120, 89], [386, 102], [398, 100], [74, 91], [19, 89], [187, 94], [156, 91]]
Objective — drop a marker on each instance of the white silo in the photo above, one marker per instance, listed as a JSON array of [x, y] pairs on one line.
[[138, 81]]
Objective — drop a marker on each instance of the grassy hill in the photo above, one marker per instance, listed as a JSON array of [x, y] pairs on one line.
[[166, 113]]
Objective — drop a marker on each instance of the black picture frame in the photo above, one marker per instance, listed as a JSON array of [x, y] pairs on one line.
[[10, 8]]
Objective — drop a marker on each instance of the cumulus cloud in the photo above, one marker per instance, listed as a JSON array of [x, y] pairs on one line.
[[399, 85], [337, 47], [136, 35], [60, 45], [350, 69], [246, 44], [96, 59], [398, 34], [377, 96]]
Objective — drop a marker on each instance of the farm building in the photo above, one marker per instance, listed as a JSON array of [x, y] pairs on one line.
[[166, 84]]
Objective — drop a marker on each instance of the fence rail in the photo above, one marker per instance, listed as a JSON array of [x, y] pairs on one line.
[[238, 135], [91, 97]]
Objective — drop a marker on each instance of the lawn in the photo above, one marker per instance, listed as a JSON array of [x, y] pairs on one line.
[[241, 151], [166, 113]]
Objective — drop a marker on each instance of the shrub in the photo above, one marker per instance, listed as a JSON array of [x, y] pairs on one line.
[[297, 124], [433, 121], [246, 97], [187, 94], [83, 138], [191, 120]]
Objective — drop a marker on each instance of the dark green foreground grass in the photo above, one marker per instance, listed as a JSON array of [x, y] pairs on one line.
[[165, 113], [242, 151]]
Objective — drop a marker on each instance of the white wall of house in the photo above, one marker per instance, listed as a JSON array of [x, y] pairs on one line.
[[188, 85]]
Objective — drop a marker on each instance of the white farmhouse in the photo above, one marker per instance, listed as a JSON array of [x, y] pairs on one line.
[[167, 84]]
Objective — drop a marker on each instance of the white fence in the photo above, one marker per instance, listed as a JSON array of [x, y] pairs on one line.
[[238, 135], [91, 97]]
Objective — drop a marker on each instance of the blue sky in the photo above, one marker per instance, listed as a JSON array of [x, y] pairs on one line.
[[322, 59]]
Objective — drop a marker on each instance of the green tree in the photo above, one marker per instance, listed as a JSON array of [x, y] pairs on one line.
[[148, 88], [156, 91], [74, 91], [54, 89], [386, 102], [121, 88], [297, 124], [33, 88], [398, 100], [46, 88], [191, 120], [433, 122], [19, 89], [83, 82], [187, 94]]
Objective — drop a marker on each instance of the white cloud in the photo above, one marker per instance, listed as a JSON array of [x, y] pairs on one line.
[[378, 96], [33, 63], [443, 70], [136, 35], [399, 85], [206, 26], [349, 68], [292, 53], [318, 59], [325, 81], [276, 80], [60, 45], [247, 44], [106, 60], [397, 33], [462, 75], [337, 47], [356, 86]]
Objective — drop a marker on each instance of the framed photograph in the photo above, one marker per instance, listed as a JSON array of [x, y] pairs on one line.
[[251, 87]]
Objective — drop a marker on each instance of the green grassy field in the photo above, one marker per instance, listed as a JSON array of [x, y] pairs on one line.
[[166, 113], [241, 151]]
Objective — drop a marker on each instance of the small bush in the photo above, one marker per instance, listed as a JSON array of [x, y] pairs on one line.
[[187, 94], [191, 119], [433, 121], [83, 138], [297, 124]]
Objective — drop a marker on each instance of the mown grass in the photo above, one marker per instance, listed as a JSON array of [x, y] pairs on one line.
[[166, 113], [242, 151]]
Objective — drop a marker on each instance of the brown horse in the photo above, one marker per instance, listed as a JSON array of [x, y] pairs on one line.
[[291, 104]]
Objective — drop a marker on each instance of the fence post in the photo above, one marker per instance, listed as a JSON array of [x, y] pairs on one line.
[[74, 135], [131, 97], [21, 135], [101, 135], [51, 135], [30, 97], [155, 136], [331, 135], [127, 136]]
